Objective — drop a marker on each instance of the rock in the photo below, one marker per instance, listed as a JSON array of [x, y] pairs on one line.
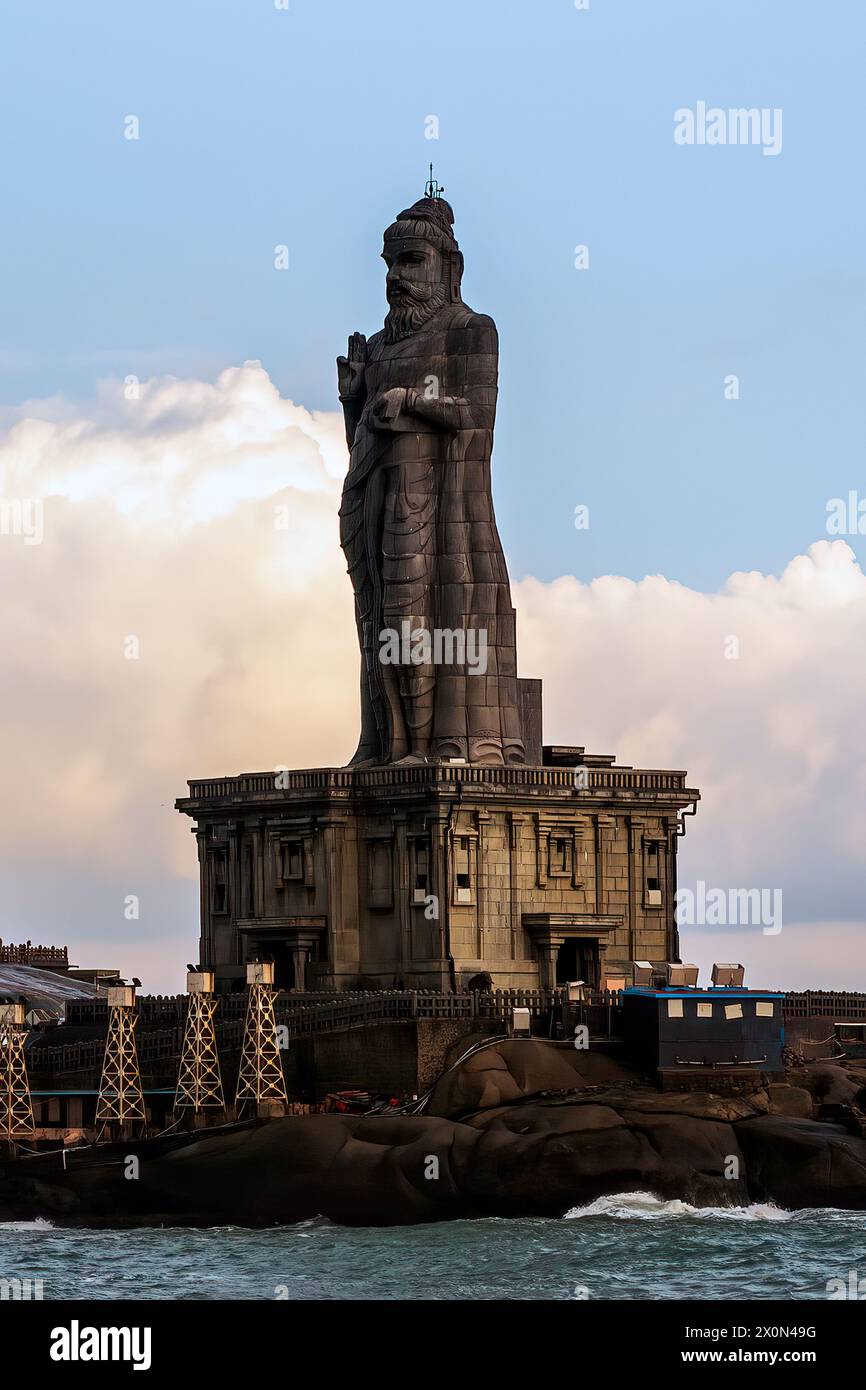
[[803, 1163], [508, 1069], [790, 1100], [833, 1084], [534, 1155]]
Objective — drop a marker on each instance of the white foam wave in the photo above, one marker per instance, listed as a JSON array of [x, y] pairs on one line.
[[645, 1206], [39, 1224]]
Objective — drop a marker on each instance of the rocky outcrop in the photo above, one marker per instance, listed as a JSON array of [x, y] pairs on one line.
[[539, 1129]]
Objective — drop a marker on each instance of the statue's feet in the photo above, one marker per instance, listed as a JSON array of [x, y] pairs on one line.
[[486, 751], [410, 760], [364, 756]]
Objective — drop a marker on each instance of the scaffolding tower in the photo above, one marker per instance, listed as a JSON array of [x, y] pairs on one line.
[[260, 1077], [199, 1084], [16, 1111], [120, 1096]]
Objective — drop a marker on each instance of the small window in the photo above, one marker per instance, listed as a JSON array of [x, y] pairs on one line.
[[249, 881], [463, 870], [379, 869], [462, 863], [652, 875], [292, 860], [220, 886], [422, 867]]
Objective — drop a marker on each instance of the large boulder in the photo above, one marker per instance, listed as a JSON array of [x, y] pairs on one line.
[[539, 1129], [803, 1163]]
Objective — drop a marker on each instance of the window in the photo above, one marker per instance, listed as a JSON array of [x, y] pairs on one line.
[[463, 869], [380, 876], [422, 869], [249, 882], [560, 853], [219, 884], [420, 881], [652, 875], [292, 861]]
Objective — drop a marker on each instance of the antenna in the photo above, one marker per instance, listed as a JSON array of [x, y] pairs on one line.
[[432, 189]]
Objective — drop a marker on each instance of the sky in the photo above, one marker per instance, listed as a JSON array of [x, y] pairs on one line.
[[307, 127]]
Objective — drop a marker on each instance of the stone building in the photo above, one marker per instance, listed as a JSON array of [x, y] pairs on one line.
[[424, 876]]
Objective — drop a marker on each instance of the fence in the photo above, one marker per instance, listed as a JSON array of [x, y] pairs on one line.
[[26, 954], [309, 1013], [830, 1003]]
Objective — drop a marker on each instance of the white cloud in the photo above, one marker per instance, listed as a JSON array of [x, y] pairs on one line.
[[160, 523]]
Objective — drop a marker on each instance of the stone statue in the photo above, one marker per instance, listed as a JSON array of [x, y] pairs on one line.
[[432, 599]]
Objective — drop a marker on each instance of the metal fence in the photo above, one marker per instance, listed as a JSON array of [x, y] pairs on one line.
[[309, 1013]]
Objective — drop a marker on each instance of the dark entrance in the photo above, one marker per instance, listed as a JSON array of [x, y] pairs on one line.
[[577, 959], [289, 961]]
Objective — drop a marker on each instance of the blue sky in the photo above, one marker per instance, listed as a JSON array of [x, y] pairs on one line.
[[306, 127]]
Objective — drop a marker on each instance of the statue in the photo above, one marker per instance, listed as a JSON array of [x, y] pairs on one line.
[[432, 599]]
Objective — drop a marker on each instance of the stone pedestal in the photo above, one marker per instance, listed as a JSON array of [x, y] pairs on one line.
[[422, 876]]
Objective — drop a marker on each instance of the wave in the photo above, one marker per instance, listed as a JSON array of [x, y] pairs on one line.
[[38, 1224], [645, 1206]]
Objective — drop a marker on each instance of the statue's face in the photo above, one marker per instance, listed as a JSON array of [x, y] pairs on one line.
[[414, 272]]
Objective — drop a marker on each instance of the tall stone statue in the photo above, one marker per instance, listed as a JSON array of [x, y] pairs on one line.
[[432, 599]]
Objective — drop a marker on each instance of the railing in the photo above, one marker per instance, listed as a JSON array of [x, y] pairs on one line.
[[829, 1003], [310, 1013], [330, 780], [26, 954]]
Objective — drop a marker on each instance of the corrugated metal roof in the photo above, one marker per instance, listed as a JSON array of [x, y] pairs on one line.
[[42, 989]]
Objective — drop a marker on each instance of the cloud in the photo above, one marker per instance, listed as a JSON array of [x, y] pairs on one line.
[[201, 520], [757, 691]]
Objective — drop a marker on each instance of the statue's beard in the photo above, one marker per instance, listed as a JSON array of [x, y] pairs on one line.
[[414, 305]]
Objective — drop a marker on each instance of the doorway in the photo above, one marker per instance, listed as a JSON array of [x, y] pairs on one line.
[[577, 959]]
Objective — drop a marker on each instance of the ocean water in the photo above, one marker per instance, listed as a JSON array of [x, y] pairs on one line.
[[628, 1247]]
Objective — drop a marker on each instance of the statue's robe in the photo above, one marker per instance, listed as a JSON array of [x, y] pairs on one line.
[[419, 534]]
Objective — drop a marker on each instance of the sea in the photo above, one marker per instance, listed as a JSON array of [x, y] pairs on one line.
[[628, 1247]]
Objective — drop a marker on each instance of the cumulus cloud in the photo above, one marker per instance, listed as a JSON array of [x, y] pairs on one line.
[[200, 520], [758, 692]]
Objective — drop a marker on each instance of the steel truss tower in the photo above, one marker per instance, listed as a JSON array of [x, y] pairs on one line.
[[199, 1084], [260, 1076], [120, 1095], [16, 1111]]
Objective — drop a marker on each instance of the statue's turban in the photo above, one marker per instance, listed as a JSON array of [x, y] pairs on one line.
[[431, 219]]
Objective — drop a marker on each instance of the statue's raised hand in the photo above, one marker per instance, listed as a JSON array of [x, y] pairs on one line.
[[350, 369]]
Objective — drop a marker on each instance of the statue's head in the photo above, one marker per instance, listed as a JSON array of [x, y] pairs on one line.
[[424, 263]]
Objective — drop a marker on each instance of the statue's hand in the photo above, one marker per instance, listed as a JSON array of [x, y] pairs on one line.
[[388, 406], [350, 369]]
